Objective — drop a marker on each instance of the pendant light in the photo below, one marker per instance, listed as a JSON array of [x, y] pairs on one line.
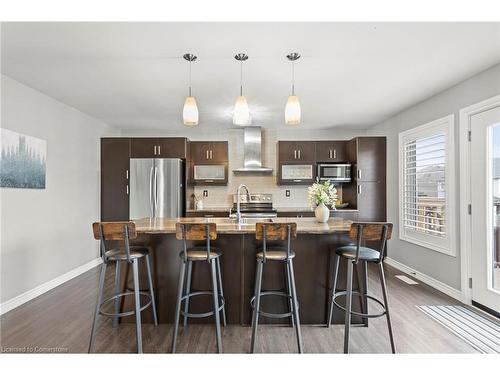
[[241, 114], [292, 109], [190, 110]]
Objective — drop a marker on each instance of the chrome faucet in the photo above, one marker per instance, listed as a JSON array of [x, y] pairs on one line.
[[238, 199]]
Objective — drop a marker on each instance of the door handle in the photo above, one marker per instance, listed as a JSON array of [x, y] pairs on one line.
[[334, 154], [207, 155], [127, 189], [359, 189], [329, 154], [156, 192], [295, 154], [151, 191], [211, 156], [359, 174], [126, 174], [159, 150], [299, 154]]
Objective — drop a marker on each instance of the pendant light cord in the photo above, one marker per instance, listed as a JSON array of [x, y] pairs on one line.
[[241, 77], [293, 77], [190, 78]]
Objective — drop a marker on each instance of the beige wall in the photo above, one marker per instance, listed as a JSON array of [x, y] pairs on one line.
[[442, 267], [46, 233]]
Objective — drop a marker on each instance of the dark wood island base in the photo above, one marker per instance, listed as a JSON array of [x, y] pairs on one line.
[[314, 248]]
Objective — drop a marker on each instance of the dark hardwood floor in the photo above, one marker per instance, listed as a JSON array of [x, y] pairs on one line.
[[62, 318]]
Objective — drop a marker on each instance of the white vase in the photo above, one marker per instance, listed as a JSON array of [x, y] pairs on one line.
[[322, 213]]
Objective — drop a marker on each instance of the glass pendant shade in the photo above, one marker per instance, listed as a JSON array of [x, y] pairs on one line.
[[241, 115], [190, 112], [292, 110]]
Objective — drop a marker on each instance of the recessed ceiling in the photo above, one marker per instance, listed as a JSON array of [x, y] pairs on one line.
[[350, 75]]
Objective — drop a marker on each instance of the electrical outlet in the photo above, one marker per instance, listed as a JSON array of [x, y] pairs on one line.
[[205, 193], [287, 193]]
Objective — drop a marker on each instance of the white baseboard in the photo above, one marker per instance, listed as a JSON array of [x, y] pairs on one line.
[[45, 287], [436, 284]]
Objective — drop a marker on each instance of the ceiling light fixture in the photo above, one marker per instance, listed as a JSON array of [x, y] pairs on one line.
[[292, 109], [241, 115], [190, 110]]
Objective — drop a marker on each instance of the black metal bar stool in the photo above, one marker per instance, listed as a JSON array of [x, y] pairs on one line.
[[122, 231], [353, 254], [276, 232], [207, 253]]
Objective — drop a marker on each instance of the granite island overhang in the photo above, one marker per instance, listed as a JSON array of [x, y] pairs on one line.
[[314, 247]]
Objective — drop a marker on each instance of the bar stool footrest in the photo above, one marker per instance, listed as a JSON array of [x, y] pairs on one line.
[[356, 313], [268, 314], [125, 313], [222, 303]]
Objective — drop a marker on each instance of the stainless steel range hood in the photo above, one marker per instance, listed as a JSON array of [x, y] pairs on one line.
[[252, 149]]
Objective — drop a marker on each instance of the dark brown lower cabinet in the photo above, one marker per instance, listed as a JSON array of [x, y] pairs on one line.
[[372, 201], [202, 213], [114, 178]]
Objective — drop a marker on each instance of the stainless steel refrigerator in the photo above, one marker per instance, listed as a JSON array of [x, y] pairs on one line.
[[156, 188]]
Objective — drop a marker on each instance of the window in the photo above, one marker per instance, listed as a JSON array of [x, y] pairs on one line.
[[427, 184]]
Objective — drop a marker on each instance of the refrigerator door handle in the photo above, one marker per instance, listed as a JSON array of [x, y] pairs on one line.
[[151, 204], [156, 191]]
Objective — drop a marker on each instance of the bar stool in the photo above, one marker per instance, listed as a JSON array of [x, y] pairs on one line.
[[276, 232], [199, 232], [353, 254], [122, 231]]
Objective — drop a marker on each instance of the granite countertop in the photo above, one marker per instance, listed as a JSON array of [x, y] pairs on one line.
[[210, 209], [309, 209], [228, 226]]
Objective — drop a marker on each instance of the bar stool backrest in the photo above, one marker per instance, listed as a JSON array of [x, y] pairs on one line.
[[276, 232], [196, 232], [371, 232], [114, 231]]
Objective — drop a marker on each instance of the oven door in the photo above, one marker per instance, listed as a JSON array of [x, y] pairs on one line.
[[334, 172]]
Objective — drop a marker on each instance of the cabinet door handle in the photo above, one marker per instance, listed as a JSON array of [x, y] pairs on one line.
[[127, 189], [154, 151], [299, 154], [211, 156], [126, 174], [159, 150], [207, 155], [359, 189], [359, 174], [334, 154], [329, 154]]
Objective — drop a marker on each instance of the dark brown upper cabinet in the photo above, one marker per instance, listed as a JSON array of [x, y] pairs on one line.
[[213, 152], [296, 151], [331, 151], [159, 148], [115, 178], [370, 158], [209, 163]]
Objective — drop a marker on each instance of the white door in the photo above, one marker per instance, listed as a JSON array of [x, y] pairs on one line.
[[485, 200]]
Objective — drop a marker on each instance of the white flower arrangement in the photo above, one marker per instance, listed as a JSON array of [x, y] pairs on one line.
[[322, 193]]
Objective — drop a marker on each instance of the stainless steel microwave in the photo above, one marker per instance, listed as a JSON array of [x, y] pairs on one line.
[[334, 172]]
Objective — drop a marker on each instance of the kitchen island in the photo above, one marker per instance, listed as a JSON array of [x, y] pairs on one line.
[[314, 248]]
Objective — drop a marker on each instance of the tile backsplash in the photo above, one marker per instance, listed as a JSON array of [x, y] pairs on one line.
[[221, 196]]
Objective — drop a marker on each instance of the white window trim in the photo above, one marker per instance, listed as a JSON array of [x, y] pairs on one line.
[[448, 125]]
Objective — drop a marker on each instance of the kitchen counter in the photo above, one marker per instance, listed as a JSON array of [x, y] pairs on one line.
[[229, 226], [314, 250], [309, 209], [210, 209]]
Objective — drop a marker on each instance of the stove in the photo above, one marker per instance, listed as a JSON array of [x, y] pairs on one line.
[[255, 205]]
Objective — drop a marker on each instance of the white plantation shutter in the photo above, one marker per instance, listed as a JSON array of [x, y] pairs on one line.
[[426, 185]]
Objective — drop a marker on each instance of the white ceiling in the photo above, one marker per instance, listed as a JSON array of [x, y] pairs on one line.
[[351, 75]]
